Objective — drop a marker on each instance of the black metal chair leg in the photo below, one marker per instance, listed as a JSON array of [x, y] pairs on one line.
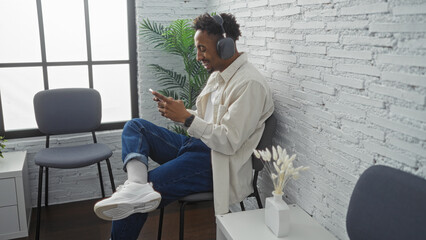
[[100, 180], [40, 186], [160, 223], [111, 177], [182, 219], [259, 202], [46, 190], [242, 206], [255, 190]]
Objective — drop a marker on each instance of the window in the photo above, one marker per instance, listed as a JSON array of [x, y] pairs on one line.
[[48, 44]]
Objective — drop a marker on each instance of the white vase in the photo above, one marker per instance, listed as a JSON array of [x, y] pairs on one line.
[[277, 215]]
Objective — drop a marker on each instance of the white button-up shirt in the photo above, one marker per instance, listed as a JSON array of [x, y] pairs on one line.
[[243, 103]]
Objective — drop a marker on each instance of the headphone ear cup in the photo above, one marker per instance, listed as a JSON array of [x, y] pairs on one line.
[[226, 48]]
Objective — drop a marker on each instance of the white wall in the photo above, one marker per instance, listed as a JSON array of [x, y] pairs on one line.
[[349, 87]]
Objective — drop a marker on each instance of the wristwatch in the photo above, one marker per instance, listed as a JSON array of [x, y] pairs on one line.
[[189, 120]]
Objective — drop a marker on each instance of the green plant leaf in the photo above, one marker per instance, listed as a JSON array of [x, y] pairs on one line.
[[169, 93], [168, 78], [153, 32], [180, 38], [178, 129], [2, 146]]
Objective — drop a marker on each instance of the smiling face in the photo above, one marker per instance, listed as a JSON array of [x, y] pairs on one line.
[[207, 53]]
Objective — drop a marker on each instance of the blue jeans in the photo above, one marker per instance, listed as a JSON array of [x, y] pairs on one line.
[[185, 168]]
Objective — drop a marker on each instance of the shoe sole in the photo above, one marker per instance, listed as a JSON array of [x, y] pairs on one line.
[[119, 211]]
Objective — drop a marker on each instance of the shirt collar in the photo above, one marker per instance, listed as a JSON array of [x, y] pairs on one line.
[[231, 69]]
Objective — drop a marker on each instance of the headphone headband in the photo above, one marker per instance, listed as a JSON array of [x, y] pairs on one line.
[[219, 20]]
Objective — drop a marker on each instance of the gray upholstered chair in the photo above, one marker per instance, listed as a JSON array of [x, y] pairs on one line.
[[265, 142], [66, 111], [387, 204]]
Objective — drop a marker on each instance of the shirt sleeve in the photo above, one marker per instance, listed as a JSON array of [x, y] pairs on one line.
[[193, 112], [239, 120]]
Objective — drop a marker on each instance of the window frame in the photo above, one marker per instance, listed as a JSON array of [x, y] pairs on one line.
[[132, 62]]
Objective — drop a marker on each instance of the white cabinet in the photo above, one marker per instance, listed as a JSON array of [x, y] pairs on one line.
[[15, 198]]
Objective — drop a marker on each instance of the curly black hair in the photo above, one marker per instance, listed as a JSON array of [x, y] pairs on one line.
[[205, 22]]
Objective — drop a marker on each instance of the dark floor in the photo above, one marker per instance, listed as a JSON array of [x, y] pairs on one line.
[[77, 221]]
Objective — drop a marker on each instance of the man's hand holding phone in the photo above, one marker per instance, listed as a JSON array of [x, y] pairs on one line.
[[170, 108]]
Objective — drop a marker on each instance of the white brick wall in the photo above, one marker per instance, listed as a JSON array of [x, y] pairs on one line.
[[409, 9], [364, 9], [322, 38], [350, 89], [349, 84], [365, 40]]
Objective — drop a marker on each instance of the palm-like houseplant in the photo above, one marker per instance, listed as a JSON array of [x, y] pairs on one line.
[[176, 39]]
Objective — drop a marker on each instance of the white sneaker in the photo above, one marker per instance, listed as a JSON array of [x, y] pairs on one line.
[[129, 198]]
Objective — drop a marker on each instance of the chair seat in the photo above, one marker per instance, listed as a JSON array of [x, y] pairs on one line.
[[197, 197], [73, 157]]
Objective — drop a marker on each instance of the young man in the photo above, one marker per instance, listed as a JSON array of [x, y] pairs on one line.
[[224, 130]]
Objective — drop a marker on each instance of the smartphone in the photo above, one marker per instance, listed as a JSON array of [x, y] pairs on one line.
[[158, 100]]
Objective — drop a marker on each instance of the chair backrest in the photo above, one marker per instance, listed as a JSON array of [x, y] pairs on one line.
[[68, 110], [265, 141], [387, 204]]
